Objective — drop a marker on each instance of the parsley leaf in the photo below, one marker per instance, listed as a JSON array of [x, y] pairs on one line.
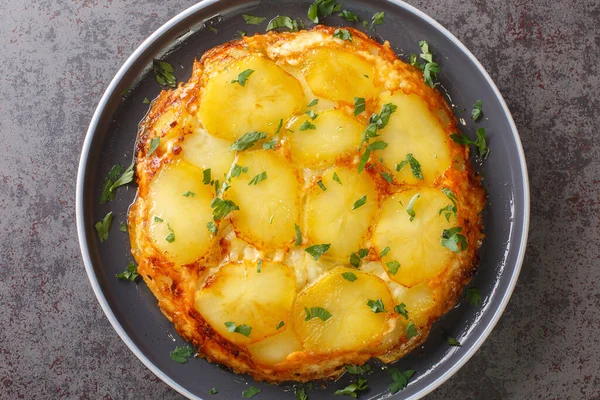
[[189, 194], [354, 260], [158, 219], [476, 112], [212, 228], [384, 252], [409, 209], [163, 73], [130, 274], [322, 8], [481, 142], [103, 226], [449, 210], [243, 77], [411, 330], [307, 125], [247, 140], [241, 329], [400, 379], [360, 202], [206, 176], [258, 178], [377, 146], [383, 117], [298, 235], [453, 342], [358, 370], [430, 69], [376, 306], [300, 393], [359, 105], [317, 312], [241, 33], [321, 185], [252, 20], [337, 178], [237, 170], [107, 194], [153, 145], [377, 19], [259, 265], [451, 238], [222, 208], [317, 250], [270, 145], [146, 100], [473, 296], [364, 158], [349, 276], [280, 325], [171, 236], [349, 16], [312, 114], [250, 392], [123, 227], [415, 166], [181, 354], [282, 21], [124, 179], [393, 266], [401, 309], [352, 389], [343, 34], [212, 391], [387, 176], [313, 103], [362, 253]]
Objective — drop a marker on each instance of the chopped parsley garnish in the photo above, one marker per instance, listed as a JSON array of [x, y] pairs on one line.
[[360, 202], [247, 140], [413, 60], [376, 306], [206, 176], [358, 370], [212, 228], [476, 112], [171, 236], [343, 34], [158, 219], [387, 176], [480, 143], [241, 33], [384, 252], [378, 121], [124, 179], [409, 209], [453, 342], [298, 235], [451, 239], [282, 21], [367, 153], [312, 114], [349, 16], [349, 276], [359, 105], [270, 145], [317, 312], [400, 379], [243, 77], [258, 178], [153, 145], [130, 274], [212, 391], [306, 125], [250, 392], [181, 354], [393, 266], [337, 178], [377, 19], [473, 296], [411, 330], [322, 8], [317, 250], [280, 325], [259, 265], [300, 393], [430, 68], [103, 226], [237, 170], [353, 388], [123, 227], [362, 253], [222, 208], [146, 100], [279, 126], [163, 73], [354, 260], [107, 194], [415, 166], [449, 210], [252, 20], [212, 29], [321, 185], [313, 103], [241, 329], [401, 309], [189, 194]]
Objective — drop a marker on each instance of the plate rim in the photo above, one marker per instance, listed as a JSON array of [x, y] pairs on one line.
[[79, 200]]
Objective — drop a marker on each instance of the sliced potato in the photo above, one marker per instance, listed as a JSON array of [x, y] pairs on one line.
[[415, 245], [206, 151], [178, 222], [335, 134], [276, 348], [229, 110], [352, 324], [238, 293], [414, 129], [269, 208], [329, 215], [338, 75]]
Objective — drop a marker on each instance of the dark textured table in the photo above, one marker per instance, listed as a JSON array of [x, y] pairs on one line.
[[58, 56]]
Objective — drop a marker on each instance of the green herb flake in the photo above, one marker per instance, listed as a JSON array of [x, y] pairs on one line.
[[298, 235], [401, 379], [317, 312], [349, 276], [415, 166], [146, 100], [189, 194], [259, 265], [411, 330], [250, 392], [393, 266], [354, 260], [237, 170], [212, 228], [306, 126], [359, 105], [130, 274], [181, 354], [473, 296], [476, 112], [322, 8], [123, 227], [481, 142], [241, 33], [212, 391], [300, 393], [279, 126], [258, 178], [388, 177], [349, 16], [430, 68], [212, 29], [409, 209], [124, 179], [358, 369], [164, 73], [365, 23], [353, 388], [171, 236], [359, 203], [312, 114], [206, 176], [280, 325], [413, 60], [377, 19], [222, 208], [241, 329], [313, 103], [364, 158], [103, 226], [247, 140], [401, 309], [384, 252], [317, 250], [337, 178], [321, 185], [453, 342], [107, 194], [376, 306], [243, 77], [252, 20], [270, 145], [282, 21], [451, 239], [343, 34], [158, 219]]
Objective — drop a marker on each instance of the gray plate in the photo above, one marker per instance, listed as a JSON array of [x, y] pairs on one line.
[[132, 309]]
